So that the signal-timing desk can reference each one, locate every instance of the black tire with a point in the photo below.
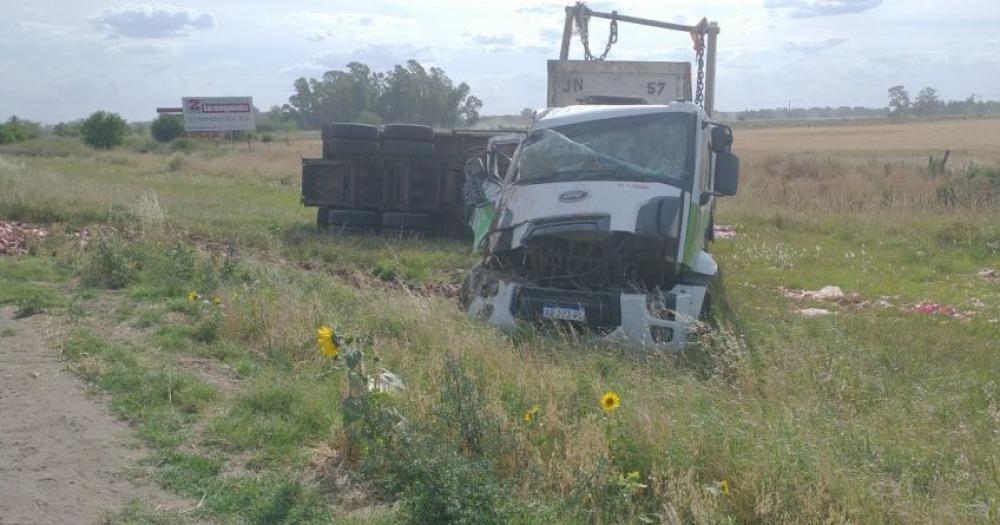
(355, 219)
(411, 132)
(342, 130)
(407, 221)
(323, 218)
(407, 147)
(336, 147)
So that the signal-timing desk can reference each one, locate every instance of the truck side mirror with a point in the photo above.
(722, 138)
(727, 173)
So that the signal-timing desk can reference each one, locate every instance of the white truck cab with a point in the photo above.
(605, 212)
(603, 221)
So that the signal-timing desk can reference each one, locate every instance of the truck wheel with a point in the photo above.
(408, 148)
(411, 132)
(343, 130)
(323, 218)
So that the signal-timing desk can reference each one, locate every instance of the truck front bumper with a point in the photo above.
(661, 323)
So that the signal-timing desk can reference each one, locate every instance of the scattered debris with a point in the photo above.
(826, 293)
(12, 239)
(989, 274)
(883, 301)
(833, 294)
(929, 308)
(386, 381)
(450, 290)
(724, 231)
(82, 236)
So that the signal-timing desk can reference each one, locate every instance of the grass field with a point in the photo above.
(878, 412)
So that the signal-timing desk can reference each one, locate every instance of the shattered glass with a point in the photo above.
(644, 147)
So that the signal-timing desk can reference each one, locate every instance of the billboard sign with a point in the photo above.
(578, 81)
(218, 114)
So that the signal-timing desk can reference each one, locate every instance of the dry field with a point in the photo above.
(971, 140)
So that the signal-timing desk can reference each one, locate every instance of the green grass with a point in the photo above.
(141, 513)
(274, 417)
(871, 414)
(31, 279)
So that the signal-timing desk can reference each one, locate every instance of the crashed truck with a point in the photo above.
(391, 178)
(603, 219)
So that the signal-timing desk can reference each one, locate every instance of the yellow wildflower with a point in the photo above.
(216, 300)
(532, 412)
(724, 487)
(192, 296)
(610, 401)
(324, 338)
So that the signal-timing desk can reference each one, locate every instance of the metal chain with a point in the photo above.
(583, 27)
(699, 51)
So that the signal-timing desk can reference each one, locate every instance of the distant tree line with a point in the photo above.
(17, 130)
(927, 103)
(410, 93)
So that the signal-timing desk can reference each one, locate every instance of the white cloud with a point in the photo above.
(814, 8)
(46, 30)
(151, 21)
(811, 47)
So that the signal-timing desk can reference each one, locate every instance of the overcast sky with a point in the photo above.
(62, 59)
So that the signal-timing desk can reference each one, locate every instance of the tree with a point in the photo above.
(167, 127)
(927, 102)
(899, 101)
(336, 97)
(17, 130)
(409, 93)
(67, 129)
(104, 130)
(469, 112)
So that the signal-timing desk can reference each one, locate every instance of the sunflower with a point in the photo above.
(531, 413)
(192, 296)
(610, 401)
(324, 338)
(724, 487)
(217, 300)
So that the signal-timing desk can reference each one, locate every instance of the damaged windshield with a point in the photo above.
(644, 147)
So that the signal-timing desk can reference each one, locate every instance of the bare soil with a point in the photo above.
(62, 455)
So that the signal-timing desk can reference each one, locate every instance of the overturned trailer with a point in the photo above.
(398, 177)
(604, 216)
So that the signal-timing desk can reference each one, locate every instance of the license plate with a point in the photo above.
(564, 313)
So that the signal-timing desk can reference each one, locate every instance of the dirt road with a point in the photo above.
(62, 455)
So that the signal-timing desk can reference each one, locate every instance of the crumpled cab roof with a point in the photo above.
(555, 117)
